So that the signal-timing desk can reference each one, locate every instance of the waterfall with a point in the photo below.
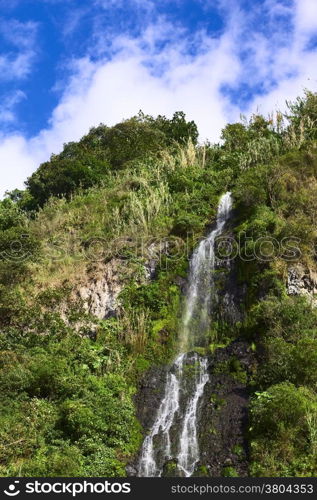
(164, 420)
(178, 411)
(188, 454)
(197, 310)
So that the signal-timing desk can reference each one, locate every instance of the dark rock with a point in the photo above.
(223, 412)
(150, 395)
(181, 283)
(222, 427)
(131, 471)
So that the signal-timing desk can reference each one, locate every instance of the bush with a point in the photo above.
(61, 177)
(283, 431)
(66, 415)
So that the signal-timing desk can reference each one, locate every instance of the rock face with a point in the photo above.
(150, 394)
(99, 293)
(222, 413)
(155, 252)
(229, 297)
(302, 281)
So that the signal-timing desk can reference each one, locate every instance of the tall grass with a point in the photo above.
(142, 208)
(184, 156)
(135, 327)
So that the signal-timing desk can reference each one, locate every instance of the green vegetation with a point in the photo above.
(229, 472)
(67, 379)
(217, 401)
(143, 191)
(233, 368)
(276, 203)
(104, 151)
(70, 413)
(202, 471)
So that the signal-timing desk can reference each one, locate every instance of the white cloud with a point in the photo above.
(139, 75)
(292, 65)
(7, 106)
(17, 161)
(16, 62)
(306, 16)
(119, 88)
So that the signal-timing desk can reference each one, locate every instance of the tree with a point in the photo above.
(62, 176)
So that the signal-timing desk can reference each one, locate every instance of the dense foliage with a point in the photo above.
(67, 379)
(104, 150)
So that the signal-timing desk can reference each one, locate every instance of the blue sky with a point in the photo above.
(67, 65)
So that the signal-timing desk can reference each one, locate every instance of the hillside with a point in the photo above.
(94, 266)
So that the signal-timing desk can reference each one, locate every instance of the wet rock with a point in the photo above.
(230, 295)
(150, 395)
(131, 471)
(181, 283)
(224, 413)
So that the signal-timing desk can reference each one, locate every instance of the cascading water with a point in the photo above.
(178, 411)
(188, 454)
(198, 304)
(148, 466)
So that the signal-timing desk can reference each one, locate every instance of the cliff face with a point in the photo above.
(230, 295)
(222, 411)
(224, 418)
(100, 289)
(302, 281)
(100, 292)
(79, 337)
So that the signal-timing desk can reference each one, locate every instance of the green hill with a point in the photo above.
(93, 259)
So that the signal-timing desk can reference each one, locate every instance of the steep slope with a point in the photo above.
(93, 274)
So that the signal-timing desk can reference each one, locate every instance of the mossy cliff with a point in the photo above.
(93, 265)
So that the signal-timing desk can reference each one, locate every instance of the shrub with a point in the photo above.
(283, 430)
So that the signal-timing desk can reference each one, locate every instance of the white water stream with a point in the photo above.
(178, 411)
